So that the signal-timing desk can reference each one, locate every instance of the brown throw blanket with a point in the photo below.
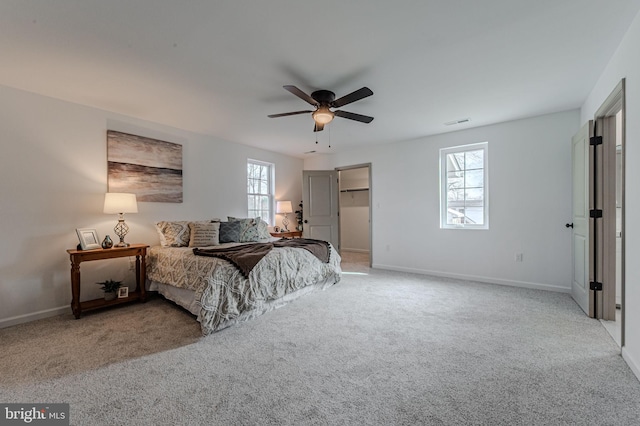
(246, 256)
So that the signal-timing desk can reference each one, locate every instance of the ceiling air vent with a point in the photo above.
(454, 122)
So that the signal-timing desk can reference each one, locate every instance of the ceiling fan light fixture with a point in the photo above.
(323, 115)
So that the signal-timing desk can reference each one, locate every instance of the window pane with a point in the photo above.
(474, 159)
(455, 161)
(474, 194)
(455, 182)
(475, 215)
(455, 195)
(455, 216)
(474, 179)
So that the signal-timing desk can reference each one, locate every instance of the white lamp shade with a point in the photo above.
(117, 202)
(284, 207)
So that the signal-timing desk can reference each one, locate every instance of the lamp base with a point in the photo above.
(285, 223)
(121, 229)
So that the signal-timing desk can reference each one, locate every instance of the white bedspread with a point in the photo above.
(224, 294)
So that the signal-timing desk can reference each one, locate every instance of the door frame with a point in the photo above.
(361, 166)
(605, 118)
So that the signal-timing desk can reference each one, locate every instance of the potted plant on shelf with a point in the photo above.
(299, 217)
(110, 288)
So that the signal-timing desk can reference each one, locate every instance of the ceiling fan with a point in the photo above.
(323, 100)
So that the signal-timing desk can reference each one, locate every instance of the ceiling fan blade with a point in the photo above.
(352, 97)
(354, 116)
(284, 114)
(318, 127)
(299, 93)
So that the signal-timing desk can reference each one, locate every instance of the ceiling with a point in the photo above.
(218, 67)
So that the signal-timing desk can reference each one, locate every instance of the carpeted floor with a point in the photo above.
(378, 348)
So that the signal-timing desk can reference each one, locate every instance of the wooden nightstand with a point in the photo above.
(79, 256)
(288, 234)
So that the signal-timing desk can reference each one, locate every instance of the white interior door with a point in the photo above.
(320, 206)
(580, 236)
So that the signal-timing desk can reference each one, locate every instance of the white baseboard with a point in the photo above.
(488, 280)
(20, 319)
(633, 365)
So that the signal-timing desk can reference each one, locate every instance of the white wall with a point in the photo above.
(625, 63)
(53, 174)
(530, 201)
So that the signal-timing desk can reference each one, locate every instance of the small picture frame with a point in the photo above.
(123, 292)
(88, 238)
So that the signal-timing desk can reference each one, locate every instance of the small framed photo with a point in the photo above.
(123, 292)
(88, 238)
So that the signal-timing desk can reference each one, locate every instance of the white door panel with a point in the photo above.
(580, 237)
(320, 205)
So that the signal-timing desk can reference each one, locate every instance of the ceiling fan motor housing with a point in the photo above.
(324, 97)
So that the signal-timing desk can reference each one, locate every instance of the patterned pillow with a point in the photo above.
(173, 234)
(230, 232)
(252, 229)
(263, 230)
(204, 234)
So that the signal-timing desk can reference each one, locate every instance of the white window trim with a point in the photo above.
(443, 182)
(272, 187)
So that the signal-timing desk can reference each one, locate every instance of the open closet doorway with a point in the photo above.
(354, 183)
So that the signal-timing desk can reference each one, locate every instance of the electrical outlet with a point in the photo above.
(519, 257)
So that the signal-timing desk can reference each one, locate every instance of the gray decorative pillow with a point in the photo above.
(252, 229)
(173, 234)
(204, 234)
(230, 232)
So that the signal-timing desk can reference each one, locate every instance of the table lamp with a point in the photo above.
(284, 207)
(120, 203)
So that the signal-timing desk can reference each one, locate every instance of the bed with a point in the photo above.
(219, 294)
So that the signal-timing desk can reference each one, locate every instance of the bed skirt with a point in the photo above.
(187, 299)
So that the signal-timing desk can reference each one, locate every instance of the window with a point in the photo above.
(260, 190)
(464, 198)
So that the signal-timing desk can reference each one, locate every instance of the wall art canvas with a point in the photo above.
(149, 168)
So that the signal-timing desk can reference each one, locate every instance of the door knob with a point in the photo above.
(306, 221)
(568, 225)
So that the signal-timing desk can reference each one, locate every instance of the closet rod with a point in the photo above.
(354, 190)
